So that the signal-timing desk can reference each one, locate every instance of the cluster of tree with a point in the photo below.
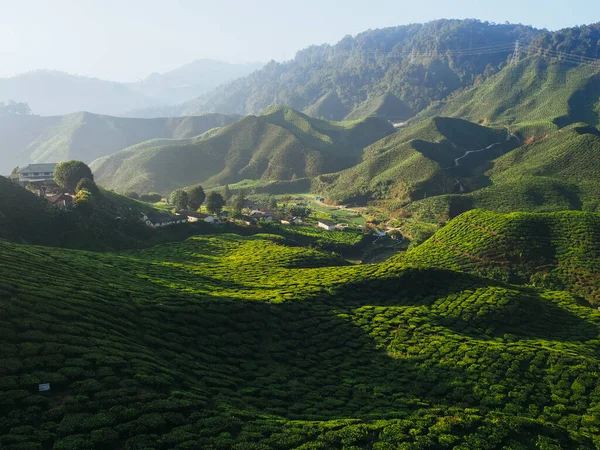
(575, 44)
(76, 177)
(13, 108)
(152, 197)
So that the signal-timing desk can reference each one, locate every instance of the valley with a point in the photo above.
(392, 242)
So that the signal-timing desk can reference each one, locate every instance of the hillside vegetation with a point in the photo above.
(418, 161)
(280, 144)
(554, 173)
(534, 97)
(555, 251)
(417, 63)
(85, 136)
(247, 342)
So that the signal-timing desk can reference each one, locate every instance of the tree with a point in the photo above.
(88, 185)
(239, 202)
(84, 202)
(300, 211)
(272, 202)
(214, 202)
(227, 193)
(152, 197)
(180, 199)
(13, 108)
(67, 174)
(196, 197)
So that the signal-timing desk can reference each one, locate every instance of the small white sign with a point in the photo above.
(44, 387)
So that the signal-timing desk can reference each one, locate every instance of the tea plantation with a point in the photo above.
(224, 341)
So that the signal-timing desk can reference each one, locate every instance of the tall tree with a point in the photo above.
(196, 197)
(239, 202)
(180, 199)
(214, 202)
(227, 193)
(67, 174)
(88, 185)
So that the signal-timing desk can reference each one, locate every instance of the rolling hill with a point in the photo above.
(250, 342)
(429, 158)
(279, 144)
(534, 97)
(554, 173)
(86, 136)
(555, 251)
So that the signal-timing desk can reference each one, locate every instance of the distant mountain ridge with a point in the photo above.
(85, 136)
(51, 93)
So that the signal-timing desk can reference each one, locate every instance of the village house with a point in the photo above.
(35, 174)
(193, 216)
(61, 200)
(326, 224)
(162, 220)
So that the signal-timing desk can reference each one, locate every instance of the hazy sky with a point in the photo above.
(125, 40)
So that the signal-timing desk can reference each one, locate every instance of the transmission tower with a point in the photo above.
(412, 56)
(516, 54)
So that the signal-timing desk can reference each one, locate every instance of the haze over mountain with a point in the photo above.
(85, 136)
(50, 93)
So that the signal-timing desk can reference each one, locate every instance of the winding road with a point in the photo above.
(489, 147)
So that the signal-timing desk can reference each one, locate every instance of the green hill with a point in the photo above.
(279, 144)
(114, 223)
(556, 251)
(533, 98)
(328, 107)
(418, 161)
(387, 105)
(248, 342)
(85, 136)
(555, 173)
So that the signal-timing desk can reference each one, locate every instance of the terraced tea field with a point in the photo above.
(237, 342)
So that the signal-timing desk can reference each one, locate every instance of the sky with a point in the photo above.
(126, 40)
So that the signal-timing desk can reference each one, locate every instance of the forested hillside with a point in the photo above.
(250, 342)
(410, 65)
(279, 144)
(85, 136)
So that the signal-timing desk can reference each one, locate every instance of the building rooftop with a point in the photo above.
(43, 167)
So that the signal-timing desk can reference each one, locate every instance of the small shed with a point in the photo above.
(326, 224)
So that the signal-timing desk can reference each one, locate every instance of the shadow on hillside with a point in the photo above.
(329, 356)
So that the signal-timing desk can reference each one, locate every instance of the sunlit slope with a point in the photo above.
(533, 97)
(280, 144)
(417, 161)
(556, 250)
(85, 136)
(231, 342)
